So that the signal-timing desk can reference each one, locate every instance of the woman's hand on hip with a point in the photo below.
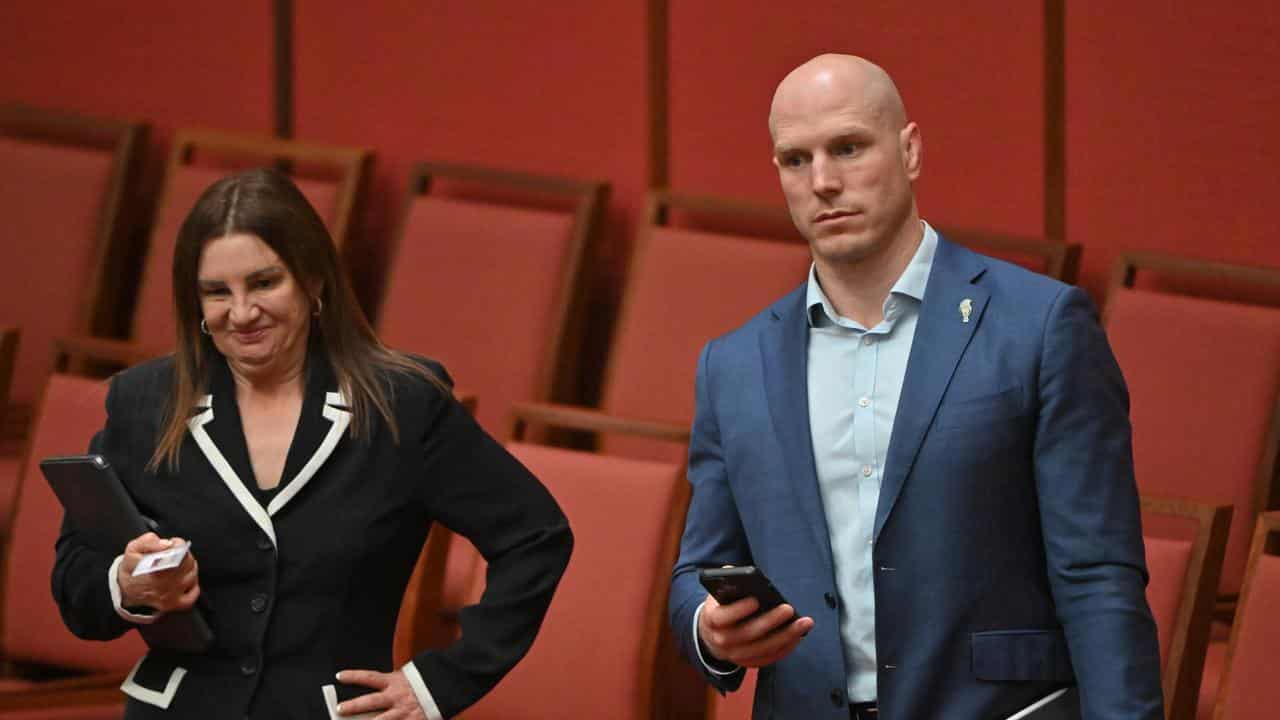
(164, 590)
(394, 699)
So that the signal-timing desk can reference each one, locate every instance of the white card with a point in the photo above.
(162, 560)
(331, 702)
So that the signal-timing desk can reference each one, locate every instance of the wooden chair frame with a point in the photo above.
(1266, 540)
(113, 247)
(1124, 275)
(353, 164)
(558, 373)
(9, 337)
(1061, 260)
(1189, 639)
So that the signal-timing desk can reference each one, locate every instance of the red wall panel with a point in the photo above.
(971, 75)
(1172, 112)
(174, 64)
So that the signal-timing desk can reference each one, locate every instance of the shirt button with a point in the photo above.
(248, 666)
(867, 340)
(864, 402)
(866, 471)
(258, 603)
(837, 697)
(264, 543)
(831, 600)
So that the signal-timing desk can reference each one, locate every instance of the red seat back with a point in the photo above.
(71, 411)
(1204, 384)
(596, 655)
(1249, 689)
(685, 287)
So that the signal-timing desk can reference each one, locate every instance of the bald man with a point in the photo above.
(925, 449)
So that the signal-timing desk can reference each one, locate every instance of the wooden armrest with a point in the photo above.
(96, 689)
(585, 419)
(81, 349)
(465, 399)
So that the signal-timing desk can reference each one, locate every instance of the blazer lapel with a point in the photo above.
(784, 347)
(219, 434)
(942, 334)
(213, 437)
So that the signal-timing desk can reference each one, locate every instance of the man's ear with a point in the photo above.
(912, 146)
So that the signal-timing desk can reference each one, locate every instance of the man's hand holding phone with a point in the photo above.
(734, 632)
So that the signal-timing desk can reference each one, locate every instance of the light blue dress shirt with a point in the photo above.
(855, 378)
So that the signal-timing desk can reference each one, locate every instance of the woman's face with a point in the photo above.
(256, 311)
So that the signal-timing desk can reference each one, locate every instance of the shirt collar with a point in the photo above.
(911, 283)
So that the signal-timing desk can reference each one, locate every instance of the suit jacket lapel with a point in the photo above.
(784, 346)
(940, 340)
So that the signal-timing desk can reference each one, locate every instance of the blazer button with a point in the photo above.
(831, 600)
(264, 543)
(258, 603)
(249, 666)
(837, 697)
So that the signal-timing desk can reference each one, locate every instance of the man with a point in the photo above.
(926, 450)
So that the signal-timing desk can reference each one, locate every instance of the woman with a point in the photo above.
(304, 463)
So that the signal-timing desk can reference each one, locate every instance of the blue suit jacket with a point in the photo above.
(1007, 556)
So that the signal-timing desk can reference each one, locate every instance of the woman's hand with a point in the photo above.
(395, 699)
(165, 590)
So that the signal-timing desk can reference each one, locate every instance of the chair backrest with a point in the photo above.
(1060, 261)
(736, 705)
(687, 284)
(8, 357)
(332, 178)
(1204, 386)
(487, 278)
(71, 411)
(597, 653)
(67, 185)
(1185, 544)
(1249, 689)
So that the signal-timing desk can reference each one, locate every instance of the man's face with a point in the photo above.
(845, 169)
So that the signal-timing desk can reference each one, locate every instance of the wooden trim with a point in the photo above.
(94, 689)
(1061, 260)
(282, 53)
(583, 419)
(1268, 524)
(558, 375)
(1189, 639)
(658, 650)
(101, 300)
(657, 31)
(661, 200)
(9, 337)
(1124, 275)
(1055, 120)
(74, 354)
(352, 165)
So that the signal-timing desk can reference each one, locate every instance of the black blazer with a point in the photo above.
(311, 583)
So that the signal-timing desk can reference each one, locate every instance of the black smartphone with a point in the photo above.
(730, 584)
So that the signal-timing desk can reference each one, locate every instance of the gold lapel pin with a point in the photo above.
(966, 309)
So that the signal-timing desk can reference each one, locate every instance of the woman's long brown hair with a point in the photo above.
(265, 203)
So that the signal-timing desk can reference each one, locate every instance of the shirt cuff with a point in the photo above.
(420, 691)
(697, 647)
(113, 585)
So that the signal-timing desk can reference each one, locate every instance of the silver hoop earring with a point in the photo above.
(204, 326)
(319, 308)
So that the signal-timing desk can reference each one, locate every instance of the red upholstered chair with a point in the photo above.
(67, 183)
(1204, 385)
(332, 178)
(487, 278)
(700, 267)
(33, 635)
(736, 705)
(598, 653)
(1185, 544)
(1249, 690)
(1060, 261)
